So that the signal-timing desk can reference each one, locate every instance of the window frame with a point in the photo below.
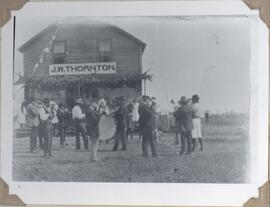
(101, 54)
(59, 55)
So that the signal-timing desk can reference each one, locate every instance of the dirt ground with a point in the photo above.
(223, 160)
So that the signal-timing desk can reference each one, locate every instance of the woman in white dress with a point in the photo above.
(135, 112)
(135, 115)
(197, 128)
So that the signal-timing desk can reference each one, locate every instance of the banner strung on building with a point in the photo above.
(82, 68)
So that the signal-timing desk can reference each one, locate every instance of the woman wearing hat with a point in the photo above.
(196, 131)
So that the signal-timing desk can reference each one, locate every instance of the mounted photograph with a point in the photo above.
(139, 103)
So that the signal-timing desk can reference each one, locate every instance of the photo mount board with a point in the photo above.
(8, 6)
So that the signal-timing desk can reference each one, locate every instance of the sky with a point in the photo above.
(208, 56)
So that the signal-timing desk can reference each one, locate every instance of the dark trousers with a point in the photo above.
(81, 131)
(33, 138)
(120, 135)
(46, 135)
(129, 131)
(186, 142)
(148, 139)
(176, 141)
(40, 137)
(55, 126)
(62, 132)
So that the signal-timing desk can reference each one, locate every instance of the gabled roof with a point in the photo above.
(68, 23)
(48, 29)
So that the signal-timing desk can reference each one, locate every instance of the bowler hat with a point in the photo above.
(78, 101)
(195, 97)
(31, 99)
(182, 100)
(46, 100)
(121, 99)
(145, 98)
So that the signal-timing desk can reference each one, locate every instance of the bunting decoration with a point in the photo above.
(21, 80)
(49, 47)
(112, 81)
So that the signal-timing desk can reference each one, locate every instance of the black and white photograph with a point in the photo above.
(132, 99)
(139, 103)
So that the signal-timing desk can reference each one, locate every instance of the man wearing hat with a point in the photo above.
(196, 131)
(32, 113)
(121, 121)
(184, 116)
(78, 116)
(154, 108)
(40, 136)
(62, 117)
(92, 118)
(45, 116)
(177, 126)
(146, 127)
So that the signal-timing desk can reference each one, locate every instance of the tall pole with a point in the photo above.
(79, 89)
(144, 81)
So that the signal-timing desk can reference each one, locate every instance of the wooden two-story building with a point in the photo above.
(81, 58)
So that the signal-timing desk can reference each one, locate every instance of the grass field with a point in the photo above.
(223, 160)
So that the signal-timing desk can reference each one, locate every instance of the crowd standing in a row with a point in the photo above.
(47, 117)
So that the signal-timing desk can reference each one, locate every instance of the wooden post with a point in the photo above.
(79, 89)
(144, 88)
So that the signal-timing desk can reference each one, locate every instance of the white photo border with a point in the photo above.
(147, 193)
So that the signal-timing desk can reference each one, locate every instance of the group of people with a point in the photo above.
(188, 124)
(43, 118)
(46, 117)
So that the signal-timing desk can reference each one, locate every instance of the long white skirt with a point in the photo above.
(197, 128)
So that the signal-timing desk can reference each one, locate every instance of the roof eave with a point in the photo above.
(28, 43)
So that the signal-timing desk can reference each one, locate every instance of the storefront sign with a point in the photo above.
(82, 68)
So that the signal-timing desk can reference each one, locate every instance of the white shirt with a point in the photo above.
(43, 115)
(77, 112)
(54, 118)
(103, 107)
(135, 112)
(197, 110)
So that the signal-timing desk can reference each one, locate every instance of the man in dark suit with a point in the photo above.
(121, 120)
(146, 127)
(185, 114)
(45, 116)
(62, 117)
(92, 127)
(32, 113)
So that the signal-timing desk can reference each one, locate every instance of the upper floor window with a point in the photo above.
(105, 50)
(90, 44)
(59, 52)
(59, 47)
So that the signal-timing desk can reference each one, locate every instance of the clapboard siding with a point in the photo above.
(82, 47)
(125, 51)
